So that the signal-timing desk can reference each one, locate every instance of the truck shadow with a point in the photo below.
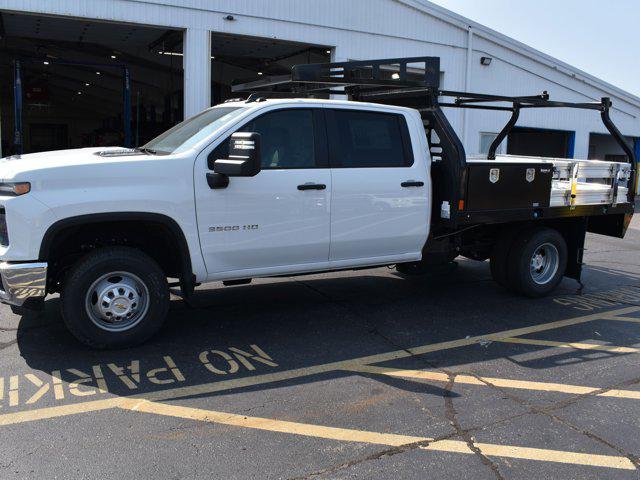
(303, 322)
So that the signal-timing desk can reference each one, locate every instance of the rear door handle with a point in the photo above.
(412, 183)
(312, 186)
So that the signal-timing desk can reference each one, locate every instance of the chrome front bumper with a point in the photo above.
(22, 281)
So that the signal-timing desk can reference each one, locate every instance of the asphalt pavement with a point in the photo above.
(344, 375)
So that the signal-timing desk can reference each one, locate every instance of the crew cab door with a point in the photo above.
(277, 221)
(380, 201)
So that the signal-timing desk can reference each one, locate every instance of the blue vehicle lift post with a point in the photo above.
(127, 107)
(17, 108)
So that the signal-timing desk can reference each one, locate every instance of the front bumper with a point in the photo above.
(22, 281)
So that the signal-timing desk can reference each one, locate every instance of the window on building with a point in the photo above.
(369, 139)
(486, 139)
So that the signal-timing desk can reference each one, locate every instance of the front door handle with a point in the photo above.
(312, 186)
(412, 183)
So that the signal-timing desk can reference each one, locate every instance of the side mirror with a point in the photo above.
(244, 156)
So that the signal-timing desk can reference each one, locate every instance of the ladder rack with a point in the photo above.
(415, 82)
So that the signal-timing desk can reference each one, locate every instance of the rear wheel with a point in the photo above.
(115, 297)
(537, 262)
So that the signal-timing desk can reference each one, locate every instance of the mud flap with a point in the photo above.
(575, 235)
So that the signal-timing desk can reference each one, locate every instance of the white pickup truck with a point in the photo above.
(268, 187)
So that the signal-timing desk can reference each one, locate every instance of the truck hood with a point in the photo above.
(19, 166)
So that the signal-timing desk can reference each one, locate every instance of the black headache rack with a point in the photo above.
(415, 82)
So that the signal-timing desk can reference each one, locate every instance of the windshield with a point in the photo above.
(186, 134)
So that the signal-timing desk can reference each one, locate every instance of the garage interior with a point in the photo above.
(237, 59)
(604, 147)
(73, 92)
(561, 144)
(541, 142)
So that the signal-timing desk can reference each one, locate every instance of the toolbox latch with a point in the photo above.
(531, 174)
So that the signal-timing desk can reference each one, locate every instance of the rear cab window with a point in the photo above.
(368, 139)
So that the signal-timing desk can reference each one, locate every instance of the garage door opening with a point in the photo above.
(89, 83)
(541, 143)
(238, 59)
(604, 147)
(84, 83)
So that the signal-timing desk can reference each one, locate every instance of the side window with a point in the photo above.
(287, 139)
(370, 139)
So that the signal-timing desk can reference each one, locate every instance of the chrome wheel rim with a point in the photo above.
(117, 301)
(544, 263)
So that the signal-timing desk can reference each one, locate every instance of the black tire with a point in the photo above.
(500, 257)
(543, 280)
(147, 280)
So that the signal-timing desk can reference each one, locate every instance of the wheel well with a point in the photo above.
(158, 236)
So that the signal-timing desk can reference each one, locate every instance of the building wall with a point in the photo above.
(511, 73)
(361, 29)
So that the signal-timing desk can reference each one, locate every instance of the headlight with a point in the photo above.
(15, 189)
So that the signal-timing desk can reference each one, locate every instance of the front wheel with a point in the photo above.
(537, 262)
(115, 297)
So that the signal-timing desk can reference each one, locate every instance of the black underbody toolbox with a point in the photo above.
(498, 186)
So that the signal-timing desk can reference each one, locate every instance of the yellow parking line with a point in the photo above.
(318, 431)
(498, 382)
(556, 456)
(390, 439)
(434, 347)
(574, 345)
(225, 385)
(60, 411)
(623, 319)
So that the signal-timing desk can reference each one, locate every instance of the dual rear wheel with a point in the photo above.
(531, 262)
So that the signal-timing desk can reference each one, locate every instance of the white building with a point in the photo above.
(183, 55)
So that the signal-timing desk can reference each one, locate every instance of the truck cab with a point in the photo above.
(336, 186)
(339, 185)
